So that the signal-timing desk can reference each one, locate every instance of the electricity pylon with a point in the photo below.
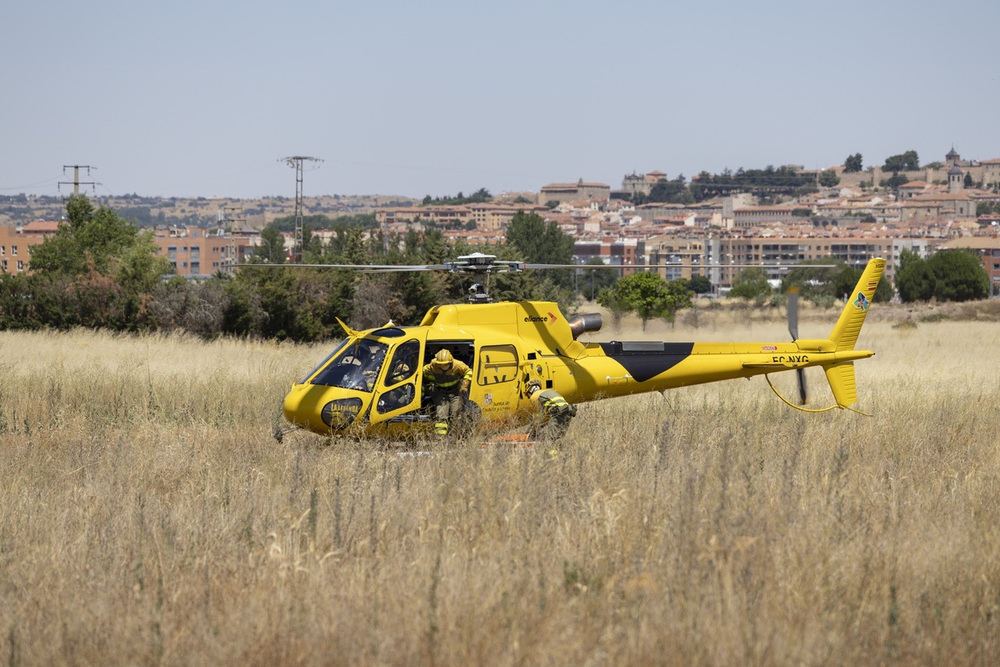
(76, 177)
(295, 162)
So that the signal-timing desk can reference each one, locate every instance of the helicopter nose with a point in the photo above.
(303, 404)
(322, 409)
(293, 405)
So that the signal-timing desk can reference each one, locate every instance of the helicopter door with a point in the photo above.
(496, 375)
(399, 391)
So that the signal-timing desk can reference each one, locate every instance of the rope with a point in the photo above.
(799, 407)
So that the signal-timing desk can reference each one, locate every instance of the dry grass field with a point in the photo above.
(148, 517)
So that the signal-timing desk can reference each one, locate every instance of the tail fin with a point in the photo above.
(840, 375)
(846, 330)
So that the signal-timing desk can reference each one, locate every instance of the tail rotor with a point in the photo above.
(793, 329)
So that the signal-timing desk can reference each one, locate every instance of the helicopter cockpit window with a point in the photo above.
(404, 362)
(497, 363)
(357, 368)
(388, 332)
(328, 358)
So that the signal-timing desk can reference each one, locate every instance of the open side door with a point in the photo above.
(398, 391)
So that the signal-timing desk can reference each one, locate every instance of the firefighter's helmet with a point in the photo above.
(443, 359)
(534, 385)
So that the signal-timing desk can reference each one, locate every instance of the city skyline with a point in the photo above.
(204, 99)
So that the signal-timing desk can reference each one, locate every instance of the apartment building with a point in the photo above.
(16, 244)
(624, 252)
(194, 253)
(854, 251)
(486, 216)
(690, 254)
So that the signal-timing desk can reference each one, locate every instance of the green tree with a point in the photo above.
(853, 163)
(592, 281)
(700, 285)
(97, 270)
(821, 284)
(676, 296)
(673, 191)
(647, 295)
(99, 241)
(829, 179)
(896, 180)
(914, 279)
(949, 275)
(907, 161)
(538, 243)
(847, 279)
(959, 276)
(272, 246)
(751, 284)
(906, 257)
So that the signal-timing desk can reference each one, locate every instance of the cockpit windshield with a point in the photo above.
(357, 368)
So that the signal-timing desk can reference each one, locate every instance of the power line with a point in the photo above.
(47, 181)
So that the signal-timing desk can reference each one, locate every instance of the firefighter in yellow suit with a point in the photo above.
(558, 413)
(449, 379)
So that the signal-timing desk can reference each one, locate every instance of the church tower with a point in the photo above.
(956, 180)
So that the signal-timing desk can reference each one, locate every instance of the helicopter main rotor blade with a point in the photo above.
(368, 268)
(641, 267)
(505, 266)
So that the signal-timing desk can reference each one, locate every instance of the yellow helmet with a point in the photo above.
(442, 359)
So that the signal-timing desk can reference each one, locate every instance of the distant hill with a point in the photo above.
(196, 211)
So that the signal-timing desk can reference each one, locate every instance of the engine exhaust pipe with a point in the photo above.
(581, 324)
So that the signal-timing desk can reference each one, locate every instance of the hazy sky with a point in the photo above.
(202, 98)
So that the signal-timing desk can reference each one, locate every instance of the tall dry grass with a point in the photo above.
(148, 517)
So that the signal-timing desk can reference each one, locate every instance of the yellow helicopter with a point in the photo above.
(371, 384)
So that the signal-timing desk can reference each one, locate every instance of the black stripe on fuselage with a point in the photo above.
(646, 359)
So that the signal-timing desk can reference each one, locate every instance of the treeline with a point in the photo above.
(948, 275)
(101, 271)
(765, 183)
(480, 196)
(769, 182)
(360, 220)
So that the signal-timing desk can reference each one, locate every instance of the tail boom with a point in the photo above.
(625, 368)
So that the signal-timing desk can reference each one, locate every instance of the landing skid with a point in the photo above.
(279, 433)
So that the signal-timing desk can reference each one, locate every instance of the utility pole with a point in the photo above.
(76, 177)
(295, 162)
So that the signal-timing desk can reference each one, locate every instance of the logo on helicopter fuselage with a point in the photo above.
(536, 318)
